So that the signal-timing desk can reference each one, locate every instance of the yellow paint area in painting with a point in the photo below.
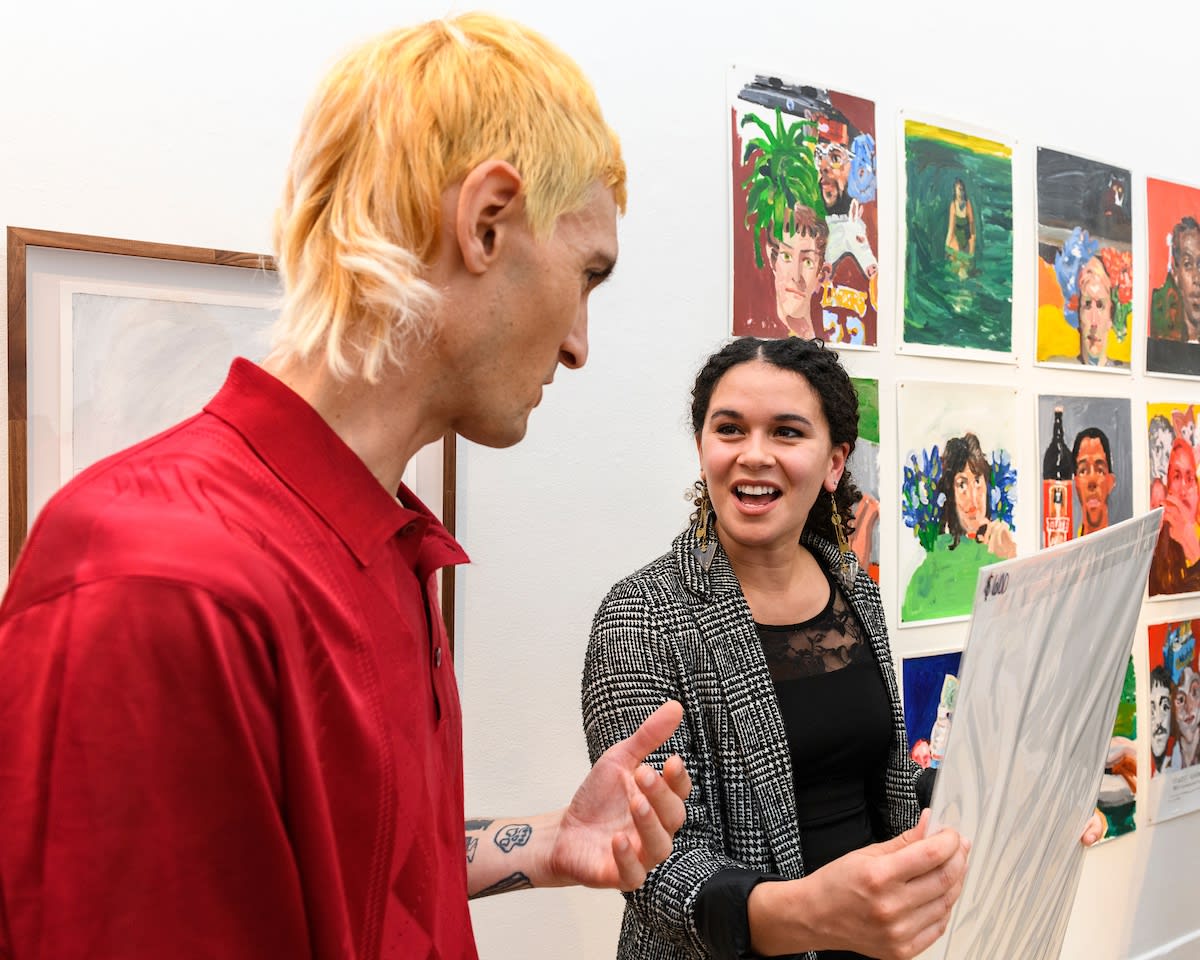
(956, 138)
(1165, 410)
(1058, 340)
(845, 297)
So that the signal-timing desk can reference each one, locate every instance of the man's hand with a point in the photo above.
(622, 820)
(619, 825)
(889, 900)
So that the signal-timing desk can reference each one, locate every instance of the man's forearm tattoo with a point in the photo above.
(514, 881)
(514, 835)
(506, 838)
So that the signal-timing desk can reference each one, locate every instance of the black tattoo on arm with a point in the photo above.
(514, 835)
(514, 881)
(480, 823)
(472, 843)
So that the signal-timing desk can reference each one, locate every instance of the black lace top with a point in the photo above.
(838, 721)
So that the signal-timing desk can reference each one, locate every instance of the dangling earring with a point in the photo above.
(703, 516)
(847, 570)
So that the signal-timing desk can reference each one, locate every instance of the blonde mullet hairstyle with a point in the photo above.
(392, 126)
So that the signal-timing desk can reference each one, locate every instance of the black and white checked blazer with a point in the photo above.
(675, 630)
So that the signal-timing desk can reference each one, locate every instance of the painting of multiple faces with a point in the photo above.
(805, 195)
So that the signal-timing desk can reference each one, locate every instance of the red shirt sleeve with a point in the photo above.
(140, 779)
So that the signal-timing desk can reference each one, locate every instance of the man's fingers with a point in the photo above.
(657, 812)
(653, 733)
(676, 775)
(630, 871)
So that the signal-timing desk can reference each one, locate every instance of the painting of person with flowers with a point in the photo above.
(1084, 263)
(957, 496)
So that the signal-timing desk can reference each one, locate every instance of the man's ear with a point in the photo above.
(825, 274)
(490, 202)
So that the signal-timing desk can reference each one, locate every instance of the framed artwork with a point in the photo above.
(923, 679)
(1171, 433)
(1173, 255)
(111, 341)
(1086, 452)
(806, 229)
(1117, 800)
(958, 492)
(957, 242)
(1174, 686)
(1084, 263)
(864, 468)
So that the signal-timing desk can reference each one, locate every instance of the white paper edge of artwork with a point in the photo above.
(901, 188)
(1138, 259)
(68, 287)
(734, 79)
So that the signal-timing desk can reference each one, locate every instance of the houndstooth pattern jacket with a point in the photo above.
(676, 630)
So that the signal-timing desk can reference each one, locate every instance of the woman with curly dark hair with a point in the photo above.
(969, 536)
(761, 623)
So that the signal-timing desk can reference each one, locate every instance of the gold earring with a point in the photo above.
(705, 508)
(704, 516)
(847, 570)
(840, 532)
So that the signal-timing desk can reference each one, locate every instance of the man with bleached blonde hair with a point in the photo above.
(229, 716)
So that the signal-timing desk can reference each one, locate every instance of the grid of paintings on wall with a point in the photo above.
(805, 197)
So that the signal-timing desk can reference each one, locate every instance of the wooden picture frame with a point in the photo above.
(44, 266)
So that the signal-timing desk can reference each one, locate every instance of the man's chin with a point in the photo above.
(497, 436)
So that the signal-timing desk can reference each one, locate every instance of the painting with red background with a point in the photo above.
(844, 305)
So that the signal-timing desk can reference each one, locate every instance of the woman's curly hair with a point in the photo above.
(824, 372)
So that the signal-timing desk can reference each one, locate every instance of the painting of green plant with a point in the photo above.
(958, 249)
(785, 174)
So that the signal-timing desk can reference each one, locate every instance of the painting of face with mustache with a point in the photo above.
(1160, 715)
(1186, 751)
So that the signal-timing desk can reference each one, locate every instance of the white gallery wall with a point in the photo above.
(173, 123)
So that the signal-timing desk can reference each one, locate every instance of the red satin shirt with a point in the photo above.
(229, 725)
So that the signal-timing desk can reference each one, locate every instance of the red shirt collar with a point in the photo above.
(299, 447)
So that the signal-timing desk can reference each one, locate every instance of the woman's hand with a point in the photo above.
(1094, 830)
(889, 900)
(999, 540)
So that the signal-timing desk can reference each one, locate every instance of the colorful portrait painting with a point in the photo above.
(1173, 262)
(1174, 718)
(958, 263)
(1171, 437)
(923, 679)
(805, 221)
(1118, 786)
(1087, 465)
(1084, 262)
(864, 467)
(958, 491)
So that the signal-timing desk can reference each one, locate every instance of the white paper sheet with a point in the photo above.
(1049, 640)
